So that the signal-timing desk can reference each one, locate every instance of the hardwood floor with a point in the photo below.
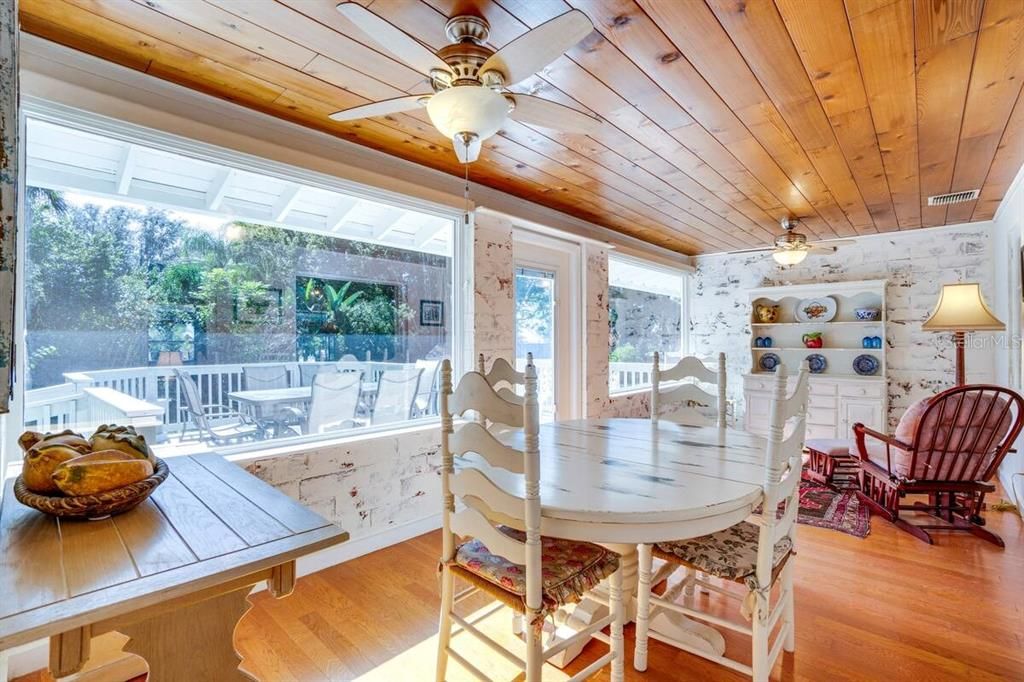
(887, 607)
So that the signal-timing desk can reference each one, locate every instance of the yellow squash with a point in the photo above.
(91, 476)
(39, 464)
(123, 438)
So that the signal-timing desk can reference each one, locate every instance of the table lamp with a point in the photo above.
(961, 309)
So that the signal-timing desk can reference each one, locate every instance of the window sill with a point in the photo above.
(317, 444)
(629, 392)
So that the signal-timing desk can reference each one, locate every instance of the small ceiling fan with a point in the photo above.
(470, 103)
(791, 247)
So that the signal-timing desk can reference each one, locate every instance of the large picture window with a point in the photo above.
(646, 314)
(214, 307)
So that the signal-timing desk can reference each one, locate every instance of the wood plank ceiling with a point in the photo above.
(725, 115)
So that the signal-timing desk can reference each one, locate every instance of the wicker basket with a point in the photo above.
(97, 506)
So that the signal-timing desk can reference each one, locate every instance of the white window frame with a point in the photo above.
(128, 132)
(684, 274)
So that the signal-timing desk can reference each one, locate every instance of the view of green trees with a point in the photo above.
(113, 287)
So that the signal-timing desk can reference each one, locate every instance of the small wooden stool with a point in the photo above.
(831, 463)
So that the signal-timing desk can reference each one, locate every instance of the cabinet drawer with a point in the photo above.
(820, 431)
(757, 384)
(822, 388)
(825, 416)
(758, 404)
(862, 390)
(823, 401)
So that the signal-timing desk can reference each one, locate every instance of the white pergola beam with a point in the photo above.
(285, 202)
(218, 188)
(389, 220)
(430, 232)
(126, 169)
(336, 218)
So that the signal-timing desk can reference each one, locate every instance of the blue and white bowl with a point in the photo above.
(868, 314)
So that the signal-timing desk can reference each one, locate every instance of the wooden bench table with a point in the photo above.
(173, 574)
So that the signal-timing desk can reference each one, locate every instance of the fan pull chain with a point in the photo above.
(465, 195)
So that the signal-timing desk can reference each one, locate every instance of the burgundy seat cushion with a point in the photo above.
(833, 447)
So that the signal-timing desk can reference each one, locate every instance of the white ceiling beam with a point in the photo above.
(285, 202)
(336, 218)
(218, 188)
(126, 169)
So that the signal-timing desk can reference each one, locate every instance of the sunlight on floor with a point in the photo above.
(422, 657)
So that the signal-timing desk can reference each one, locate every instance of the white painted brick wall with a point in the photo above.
(916, 264)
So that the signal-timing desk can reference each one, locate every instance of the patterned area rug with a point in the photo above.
(827, 508)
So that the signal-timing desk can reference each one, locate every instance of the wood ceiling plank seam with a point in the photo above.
(996, 79)
(252, 9)
(329, 40)
(877, 40)
(617, 22)
(697, 36)
(67, 19)
(762, 41)
(821, 34)
(932, 53)
(509, 132)
(572, 101)
(1006, 165)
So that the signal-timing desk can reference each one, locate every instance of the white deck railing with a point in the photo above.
(151, 398)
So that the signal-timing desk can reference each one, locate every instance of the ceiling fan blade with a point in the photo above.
(829, 246)
(392, 39)
(382, 108)
(766, 249)
(543, 112)
(535, 49)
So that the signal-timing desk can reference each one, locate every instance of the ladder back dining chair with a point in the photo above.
(689, 403)
(757, 553)
(502, 552)
(502, 372)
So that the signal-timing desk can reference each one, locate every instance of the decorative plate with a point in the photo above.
(769, 361)
(821, 309)
(865, 365)
(817, 363)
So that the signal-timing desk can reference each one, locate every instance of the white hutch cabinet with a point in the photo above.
(839, 396)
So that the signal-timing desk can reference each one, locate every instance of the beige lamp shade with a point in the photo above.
(960, 309)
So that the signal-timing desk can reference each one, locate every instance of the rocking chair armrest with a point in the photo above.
(860, 432)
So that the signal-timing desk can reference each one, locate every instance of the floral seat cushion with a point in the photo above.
(568, 569)
(729, 553)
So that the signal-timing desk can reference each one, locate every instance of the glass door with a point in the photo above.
(535, 331)
(547, 320)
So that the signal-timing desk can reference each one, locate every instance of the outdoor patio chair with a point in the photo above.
(426, 401)
(396, 395)
(272, 377)
(216, 423)
(947, 447)
(335, 402)
(309, 370)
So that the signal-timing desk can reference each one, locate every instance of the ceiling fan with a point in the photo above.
(791, 247)
(469, 102)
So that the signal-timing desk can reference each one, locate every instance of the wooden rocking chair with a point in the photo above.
(948, 447)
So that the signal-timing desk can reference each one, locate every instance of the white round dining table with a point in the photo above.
(620, 482)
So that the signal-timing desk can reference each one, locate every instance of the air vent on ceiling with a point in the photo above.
(953, 198)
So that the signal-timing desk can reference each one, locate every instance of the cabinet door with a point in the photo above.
(867, 412)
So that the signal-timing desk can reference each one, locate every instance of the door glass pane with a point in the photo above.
(535, 331)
